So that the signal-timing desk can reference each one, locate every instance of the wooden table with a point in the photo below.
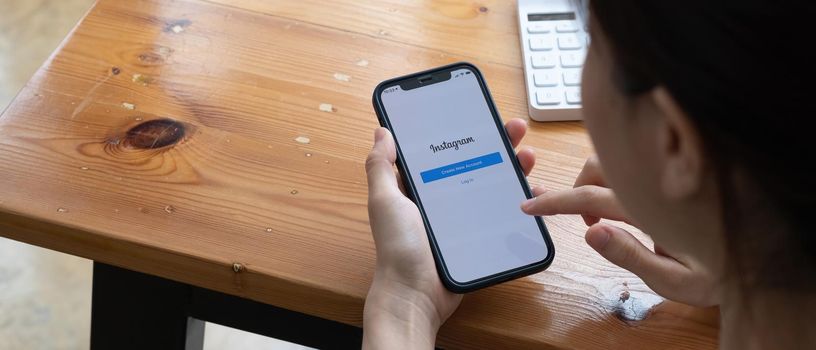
(218, 146)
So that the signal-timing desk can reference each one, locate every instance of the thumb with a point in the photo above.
(622, 249)
(380, 164)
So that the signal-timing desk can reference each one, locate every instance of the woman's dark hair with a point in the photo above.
(744, 74)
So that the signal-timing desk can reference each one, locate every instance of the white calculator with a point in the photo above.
(553, 43)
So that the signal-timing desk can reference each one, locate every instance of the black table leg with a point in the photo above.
(132, 310)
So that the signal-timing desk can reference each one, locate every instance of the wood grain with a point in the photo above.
(161, 137)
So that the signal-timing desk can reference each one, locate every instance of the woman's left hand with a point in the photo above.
(407, 302)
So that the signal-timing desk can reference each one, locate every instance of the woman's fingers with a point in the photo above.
(526, 158)
(400, 183)
(594, 201)
(537, 191)
(590, 175)
(686, 282)
(663, 274)
(380, 165)
(516, 128)
(589, 198)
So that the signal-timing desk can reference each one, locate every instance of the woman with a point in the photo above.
(692, 108)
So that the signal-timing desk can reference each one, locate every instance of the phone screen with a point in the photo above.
(464, 177)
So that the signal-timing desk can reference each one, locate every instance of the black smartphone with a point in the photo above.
(458, 166)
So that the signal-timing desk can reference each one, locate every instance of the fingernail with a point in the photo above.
(379, 134)
(526, 204)
(598, 239)
(539, 190)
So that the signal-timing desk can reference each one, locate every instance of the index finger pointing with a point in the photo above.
(585, 200)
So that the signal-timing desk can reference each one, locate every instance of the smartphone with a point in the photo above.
(458, 166)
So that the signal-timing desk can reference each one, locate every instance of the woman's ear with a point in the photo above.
(680, 146)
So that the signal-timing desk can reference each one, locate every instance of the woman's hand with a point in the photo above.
(407, 302)
(676, 277)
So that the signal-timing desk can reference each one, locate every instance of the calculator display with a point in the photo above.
(533, 17)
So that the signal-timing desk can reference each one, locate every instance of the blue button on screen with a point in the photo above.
(461, 167)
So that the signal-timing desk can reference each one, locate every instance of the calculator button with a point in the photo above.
(572, 60)
(545, 78)
(538, 28)
(573, 96)
(548, 97)
(541, 44)
(569, 42)
(572, 77)
(544, 61)
(566, 27)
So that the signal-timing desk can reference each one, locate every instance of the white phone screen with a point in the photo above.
(464, 177)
